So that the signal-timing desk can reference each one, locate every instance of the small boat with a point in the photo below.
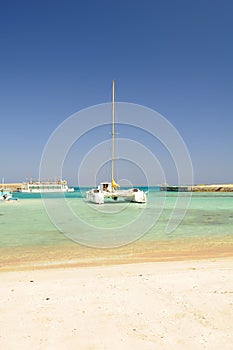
(112, 189)
(5, 195)
(46, 187)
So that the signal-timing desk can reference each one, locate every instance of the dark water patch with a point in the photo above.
(200, 217)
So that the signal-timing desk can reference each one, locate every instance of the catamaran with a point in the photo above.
(112, 189)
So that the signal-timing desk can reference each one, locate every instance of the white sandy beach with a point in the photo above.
(161, 305)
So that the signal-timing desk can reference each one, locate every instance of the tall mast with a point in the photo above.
(113, 120)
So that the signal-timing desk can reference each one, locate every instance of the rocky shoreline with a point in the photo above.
(213, 188)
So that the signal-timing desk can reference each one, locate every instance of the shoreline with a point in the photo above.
(75, 255)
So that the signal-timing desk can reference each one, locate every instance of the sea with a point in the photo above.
(64, 230)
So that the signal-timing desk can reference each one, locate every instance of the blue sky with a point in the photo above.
(58, 57)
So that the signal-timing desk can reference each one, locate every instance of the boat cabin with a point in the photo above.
(105, 187)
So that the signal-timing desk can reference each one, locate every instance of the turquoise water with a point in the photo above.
(25, 222)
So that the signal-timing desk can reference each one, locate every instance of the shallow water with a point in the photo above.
(25, 223)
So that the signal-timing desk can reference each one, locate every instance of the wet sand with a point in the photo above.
(75, 255)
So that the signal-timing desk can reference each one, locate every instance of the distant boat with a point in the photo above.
(46, 187)
(111, 189)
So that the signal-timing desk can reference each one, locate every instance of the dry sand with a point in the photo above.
(159, 305)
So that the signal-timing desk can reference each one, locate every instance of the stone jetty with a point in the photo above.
(213, 188)
(199, 188)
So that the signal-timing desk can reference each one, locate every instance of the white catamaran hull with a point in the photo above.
(135, 195)
(94, 196)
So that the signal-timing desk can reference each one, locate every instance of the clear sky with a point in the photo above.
(173, 56)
